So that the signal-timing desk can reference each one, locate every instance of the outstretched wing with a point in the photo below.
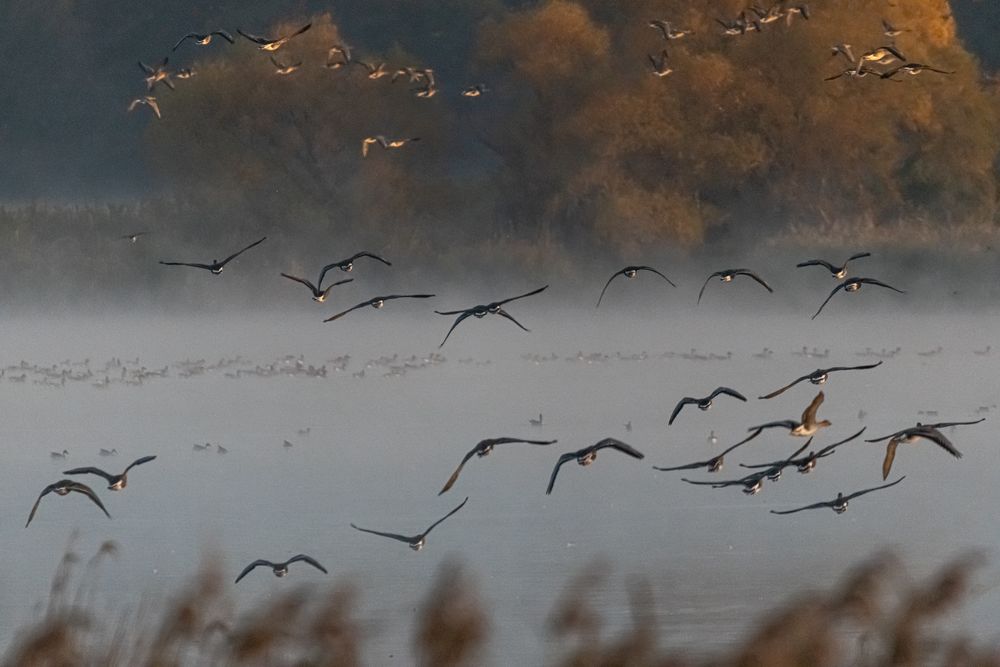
(800, 509)
(868, 254)
(652, 270)
(788, 386)
(702, 291)
(307, 559)
(139, 462)
(832, 292)
(441, 520)
(503, 313)
(89, 492)
(393, 536)
(939, 439)
(458, 320)
(818, 262)
(623, 447)
(677, 408)
(852, 368)
(224, 35)
(569, 456)
(751, 274)
(688, 466)
(256, 39)
(829, 448)
(90, 471)
(521, 296)
(352, 308)
(872, 281)
(613, 275)
(332, 285)
(890, 456)
(305, 282)
(874, 488)
(34, 508)
(190, 35)
(784, 423)
(454, 476)
(728, 392)
(809, 414)
(240, 252)
(209, 267)
(249, 568)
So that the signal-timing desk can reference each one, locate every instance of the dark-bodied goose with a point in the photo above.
(282, 69)
(265, 44)
(668, 31)
(377, 303)
(715, 463)
(853, 285)
(630, 272)
(588, 455)
(375, 70)
(280, 569)
(415, 542)
(727, 276)
(704, 403)
(155, 75)
(64, 487)
(484, 448)
(216, 266)
(806, 426)
(115, 482)
(754, 482)
(912, 69)
(910, 435)
(838, 272)
(476, 90)
(889, 30)
(204, 39)
(839, 504)
(148, 101)
(807, 463)
(347, 265)
(481, 311)
(318, 295)
(818, 377)
(386, 144)
(660, 67)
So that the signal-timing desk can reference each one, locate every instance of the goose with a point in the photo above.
(853, 285)
(282, 69)
(660, 67)
(108, 452)
(482, 311)
(536, 422)
(484, 448)
(704, 403)
(753, 482)
(59, 455)
(115, 482)
(843, 50)
(775, 13)
(216, 266)
(341, 50)
(715, 463)
(818, 377)
(727, 276)
(856, 72)
(377, 303)
(839, 504)
(204, 39)
(806, 426)
(132, 238)
(384, 143)
(155, 75)
(883, 55)
(186, 73)
(280, 569)
(475, 90)
(318, 295)
(64, 487)
(265, 44)
(838, 272)
(347, 265)
(588, 455)
(375, 71)
(910, 435)
(912, 69)
(148, 101)
(630, 272)
(415, 542)
(890, 30)
(801, 10)
(807, 463)
(669, 32)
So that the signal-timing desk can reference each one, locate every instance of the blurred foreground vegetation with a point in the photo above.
(875, 616)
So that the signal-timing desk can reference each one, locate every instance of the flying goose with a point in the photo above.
(588, 455)
(415, 542)
(630, 272)
(753, 482)
(920, 431)
(535, 422)
(64, 487)
(482, 311)
(132, 238)
(890, 30)
(727, 276)
(280, 569)
(377, 303)
(475, 90)
(155, 75)
(147, 100)
(801, 10)
(384, 143)
(282, 69)
(704, 403)
(216, 266)
(912, 69)
(108, 452)
(883, 55)
(843, 50)
(59, 455)
(807, 463)
(819, 376)
(853, 285)
(484, 448)
(839, 504)
(660, 67)
(347, 265)
(185, 73)
(341, 50)
(715, 463)
(669, 32)
(204, 39)
(838, 272)
(318, 295)
(856, 72)
(265, 44)
(115, 482)
(375, 70)
(806, 426)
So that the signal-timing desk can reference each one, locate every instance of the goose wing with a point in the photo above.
(89, 492)
(299, 31)
(569, 456)
(365, 253)
(454, 476)
(652, 270)
(872, 281)
(503, 313)
(190, 35)
(196, 265)
(90, 471)
(751, 274)
(249, 568)
(852, 368)
(801, 509)
(690, 466)
(623, 447)
(224, 35)
(616, 273)
(34, 508)
(890, 456)
(458, 320)
(302, 558)
(702, 291)
(351, 309)
(442, 519)
(939, 439)
(392, 536)
(139, 462)
(240, 252)
(809, 414)
(865, 254)
(827, 300)
(677, 408)
(312, 288)
(826, 451)
(947, 424)
(332, 285)
(728, 392)
(788, 386)
(874, 488)
(521, 296)
(256, 39)
(784, 423)
(818, 262)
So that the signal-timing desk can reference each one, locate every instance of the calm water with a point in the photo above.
(380, 448)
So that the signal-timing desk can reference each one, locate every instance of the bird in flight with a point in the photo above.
(588, 455)
(807, 463)
(204, 39)
(754, 482)
(476, 90)
(115, 482)
(482, 311)
(384, 143)
(910, 435)
(415, 542)
(715, 463)
(265, 44)
(280, 569)
(484, 448)
(818, 377)
(132, 238)
(889, 30)
(839, 504)
(158, 74)
(319, 295)
(281, 69)
(727, 276)
(838, 272)
(660, 67)
(347, 265)
(64, 487)
(704, 403)
(630, 272)
(216, 266)
(806, 426)
(853, 285)
(377, 303)
(912, 69)
(148, 101)
(668, 31)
